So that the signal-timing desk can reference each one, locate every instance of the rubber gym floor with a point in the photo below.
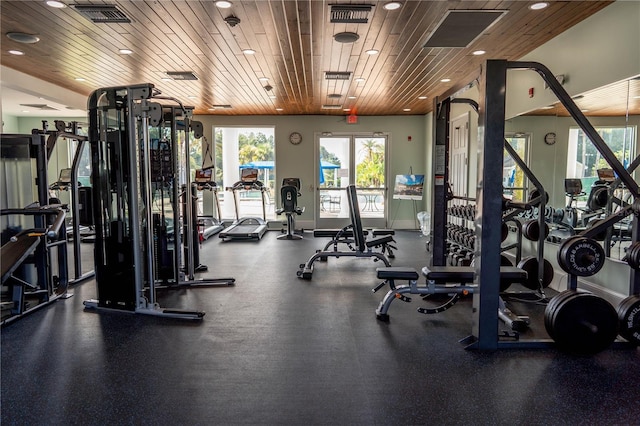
(276, 350)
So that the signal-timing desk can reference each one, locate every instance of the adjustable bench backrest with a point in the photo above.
(356, 221)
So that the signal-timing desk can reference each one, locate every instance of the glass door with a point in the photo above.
(345, 160)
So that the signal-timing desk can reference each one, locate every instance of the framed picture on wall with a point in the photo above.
(408, 187)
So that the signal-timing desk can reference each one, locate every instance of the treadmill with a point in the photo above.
(208, 225)
(247, 228)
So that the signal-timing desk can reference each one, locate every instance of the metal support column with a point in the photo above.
(440, 180)
(488, 222)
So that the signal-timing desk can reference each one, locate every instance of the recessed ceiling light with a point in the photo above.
(636, 97)
(407, 109)
(23, 37)
(56, 4)
(264, 79)
(25, 110)
(346, 109)
(248, 51)
(359, 80)
(392, 5)
(80, 79)
(351, 97)
(16, 52)
(372, 52)
(422, 97)
(445, 80)
(278, 109)
(223, 4)
(478, 52)
(167, 79)
(125, 51)
(192, 97)
(539, 5)
(272, 96)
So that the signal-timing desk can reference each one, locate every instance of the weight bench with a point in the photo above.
(450, 280)
(359, 246)
(345, 236)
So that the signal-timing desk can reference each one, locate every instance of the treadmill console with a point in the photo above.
(204, 179)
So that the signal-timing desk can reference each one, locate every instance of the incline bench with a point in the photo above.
(345, 236)
(361, 246)
(454, 280)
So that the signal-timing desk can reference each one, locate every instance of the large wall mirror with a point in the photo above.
(581, 185)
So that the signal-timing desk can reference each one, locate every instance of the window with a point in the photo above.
(584, 160)
(514, 181)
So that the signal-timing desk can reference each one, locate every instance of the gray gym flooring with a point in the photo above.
(276, 350)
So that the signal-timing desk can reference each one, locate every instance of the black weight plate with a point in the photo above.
(504, 261)
(581, 256)
(504, 231)
(550, 310)
(629, 316)
(530, 265)
(584, 324)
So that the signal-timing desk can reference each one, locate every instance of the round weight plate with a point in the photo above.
(581, 256)
(584, 324)
(633, 255)
(531, 230)
(535, 194)
(599, 198)
(530, 265)
(504, 261)
(550, 310)
(629, 316)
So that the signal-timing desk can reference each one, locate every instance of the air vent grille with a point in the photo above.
(327, 106)
(221, 106)
(334, 96)
(337, 75)
(182, 75)
(350, 13)
(42, 107)
(459, 28)
(102, 14)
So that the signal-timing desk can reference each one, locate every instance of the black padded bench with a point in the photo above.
(465, 274)
(332, 233)
(437, 278)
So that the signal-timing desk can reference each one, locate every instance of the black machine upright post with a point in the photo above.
(440, 178)
(489, 203)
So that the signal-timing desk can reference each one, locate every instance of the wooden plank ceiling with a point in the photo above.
(294, 46)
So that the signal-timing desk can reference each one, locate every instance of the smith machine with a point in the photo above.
(139, 178)
(577, 321)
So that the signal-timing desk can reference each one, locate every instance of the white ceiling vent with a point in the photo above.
(182, 75)
(328, 106)
(350, 13)
(42, 107)
(102, 14)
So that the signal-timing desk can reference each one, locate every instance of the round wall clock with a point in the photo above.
(295, 138)
(550, 138)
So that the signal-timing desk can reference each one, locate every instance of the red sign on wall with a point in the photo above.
(352, 119)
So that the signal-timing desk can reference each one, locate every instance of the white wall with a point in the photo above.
(598, 51)
(299, 160)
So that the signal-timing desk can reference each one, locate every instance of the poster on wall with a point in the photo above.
(408, 187)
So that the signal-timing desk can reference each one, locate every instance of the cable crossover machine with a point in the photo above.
(139, 176)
